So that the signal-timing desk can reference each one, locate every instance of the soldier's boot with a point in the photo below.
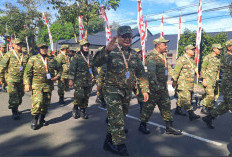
(42, 121)
(103, 103)
(108, 144)
(192, 115)
(126, 130)
(122, 150)
(209, 121)
(34, 122)
(83, 113)
(205, 110)
(61, 100)
(178, 111)
(75, 112)
(15, 115)
(171, 130)
(143, 128)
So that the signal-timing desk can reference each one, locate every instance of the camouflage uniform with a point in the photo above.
(35, 75)
(117, 88)
(1, 57)
(79, 72)
(64, 63)
(100, 83)
(13, 70)
(210, 70)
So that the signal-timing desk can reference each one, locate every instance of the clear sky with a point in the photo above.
(215, 16)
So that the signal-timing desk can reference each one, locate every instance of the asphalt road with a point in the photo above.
(66, 136)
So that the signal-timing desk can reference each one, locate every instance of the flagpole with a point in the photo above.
(178, 36)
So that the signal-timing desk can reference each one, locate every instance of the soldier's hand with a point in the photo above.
(145, 97)
(70, 83)
(27, 88)
(112, 45)
(174, 84)
(0, 82)
(204, 82)
(98, 88)
(55, 78)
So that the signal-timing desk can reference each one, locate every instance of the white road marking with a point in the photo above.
(184, 133)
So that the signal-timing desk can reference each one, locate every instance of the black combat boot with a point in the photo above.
(143, 128)
(15, 115)
(34, 122)
(108, 144)
(171, 130)
(205, 110)
(42, 122)
(61, 100)
(192, 115)
(83, 113)
(122, 150)
(103, 103)
(75, 112)
(208, 120)
(178, 111)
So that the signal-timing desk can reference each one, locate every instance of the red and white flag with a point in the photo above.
(162, 26)
(179, 33)
(49, 32)
(142, 28)
(107, 28)
(81, 28)
(199, 28)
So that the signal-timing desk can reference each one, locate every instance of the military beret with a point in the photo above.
(228, 43)
(42, 45)
(218, 46)
(160, 40)
(3, 45)
(16, 41)
(64, 47)
(189, 47)
(124, 30)
(83, 42)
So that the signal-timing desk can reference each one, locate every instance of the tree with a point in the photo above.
(114, 26)
(96, 25)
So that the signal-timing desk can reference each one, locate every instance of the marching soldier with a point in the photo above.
(2, 53)
(39, 75)
(13, 63)
(210, 70)
(158, 68)
(81, 76)
(63, 61)
(184, 76)
(122, 63)
(226, 87)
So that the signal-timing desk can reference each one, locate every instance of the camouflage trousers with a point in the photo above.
(62, 86)
(16, 93)
(138, 92)
(160, 98)
(225, 106)
(81, 96)
(184, 99)
(40, 101)
(117, 107)
(209, 98)
(100, 94)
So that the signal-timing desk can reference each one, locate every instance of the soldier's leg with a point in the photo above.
(78, 101)
(148, 108)
(44, 108)
(179, 106)
(209, 99)
(61, 87)
(87, 92)
(66, 86)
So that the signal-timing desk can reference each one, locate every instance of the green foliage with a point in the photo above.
(96, 25)
(114, 26)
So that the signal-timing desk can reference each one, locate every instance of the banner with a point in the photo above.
(107, 28)
(162, 26)
(179, 33)
(49, 33)
(81, 28)
(198, 39)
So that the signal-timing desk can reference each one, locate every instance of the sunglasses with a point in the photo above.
(124, 36)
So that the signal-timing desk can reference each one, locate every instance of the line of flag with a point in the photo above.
(81, 28)
(162, 26)
(107, 28)
(179, 34)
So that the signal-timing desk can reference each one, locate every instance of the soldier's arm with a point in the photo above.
(177, 69)
(4, 65)
(57, 68)
(170, 70)
(151, 69)
(59, 59)
(101, 57)
(73, 67)
(28, 72)
(204, 67)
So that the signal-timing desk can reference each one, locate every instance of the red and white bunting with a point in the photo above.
(49, 32)
(107, 28)
(198, 39)
(142, 28)
(81, 28)
(162, 26)
(179, 33)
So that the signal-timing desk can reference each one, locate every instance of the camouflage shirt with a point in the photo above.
(210, 69)
(226, 67)
(63, 63)
(79, 70)
(101, 75)
(184, 73)
(116, 68)
(11, 66)
(1, 55)
(35, 73)
(158, 69)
